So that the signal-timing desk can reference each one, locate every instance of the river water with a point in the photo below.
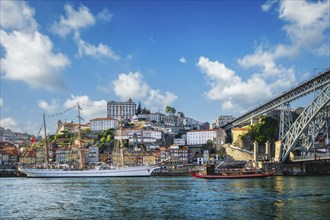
(165, 198)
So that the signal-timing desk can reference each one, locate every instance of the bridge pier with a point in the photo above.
(267, 150)
(277, 157)
(255, 151)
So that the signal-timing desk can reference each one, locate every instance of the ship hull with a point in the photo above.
(257, 175)
(142, 171)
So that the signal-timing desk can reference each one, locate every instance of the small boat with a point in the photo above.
(219, 172)
(232, 176)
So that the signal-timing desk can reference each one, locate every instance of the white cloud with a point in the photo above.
(29, 58)
(8, 123)
(306, 33)
(323, 50)
(49, 107)
(315, 13)
(90, 109)
(99, 51)
(17, 15)
(130, 85)
(268, 5)
(1, 102)
(104, 15)
(156, 100)
(74, 20)
(28, 55)
(182, 60)
(234, 93)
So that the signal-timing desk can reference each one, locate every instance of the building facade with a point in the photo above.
(138, 135)
(179, 141)
(102, 124)
(70, 127)
(197, 137)
(122, 110)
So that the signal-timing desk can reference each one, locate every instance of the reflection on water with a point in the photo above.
(166, 198)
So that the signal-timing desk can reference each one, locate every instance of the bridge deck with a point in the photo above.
(320, 156)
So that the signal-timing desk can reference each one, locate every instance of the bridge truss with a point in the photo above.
(297, 92)
(309, 123)
(298, 135)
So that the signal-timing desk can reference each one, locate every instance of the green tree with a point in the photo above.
(266, 129)
(181, 115)
(209, 146)
(173, 111)
(168, 109)
(109, 138)
(139, 110)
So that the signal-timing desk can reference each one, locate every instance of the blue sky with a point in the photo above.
(205, 58)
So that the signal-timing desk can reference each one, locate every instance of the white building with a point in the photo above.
(189, 123)
(170, 120)
(93, 155)
(7, 135)
(138, 135)
(121, 109)
(197, 137)
(179, 141)
(70, 126)
(101, 124)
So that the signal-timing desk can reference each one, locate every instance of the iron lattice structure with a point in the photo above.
(307, 125)
(285, 120)
(301, 134)
(305, 88)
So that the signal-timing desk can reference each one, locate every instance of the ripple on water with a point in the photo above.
(164, 198)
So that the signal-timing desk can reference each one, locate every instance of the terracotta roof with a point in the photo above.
(10, 151)
(102, 119)
(203, 130)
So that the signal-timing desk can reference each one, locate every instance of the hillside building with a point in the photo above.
(102, 124)
(122, 110)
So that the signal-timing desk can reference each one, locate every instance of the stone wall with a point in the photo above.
(307, 168)
(238, 154)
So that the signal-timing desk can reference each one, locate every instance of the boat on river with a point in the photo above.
(233, 170)
(138, 171)
(97, 171)
(237, 175)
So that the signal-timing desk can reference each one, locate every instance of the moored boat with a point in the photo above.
(230, 171)
(138, 171)
(233, 176)
(98, 171)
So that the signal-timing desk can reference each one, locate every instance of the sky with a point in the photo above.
(204, 58)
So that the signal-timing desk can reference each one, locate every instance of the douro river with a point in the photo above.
(165, 198)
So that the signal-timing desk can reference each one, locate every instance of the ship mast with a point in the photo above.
(46, 142)
(78, 139)
(121, 145)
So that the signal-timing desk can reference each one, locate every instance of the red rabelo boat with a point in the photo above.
(222, 172)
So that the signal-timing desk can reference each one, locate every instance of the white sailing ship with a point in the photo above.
(138, 171)
(98, 171)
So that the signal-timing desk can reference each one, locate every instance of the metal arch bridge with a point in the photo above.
(297, 135)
